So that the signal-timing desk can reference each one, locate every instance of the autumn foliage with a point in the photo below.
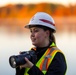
(19, 15)
(25, 11)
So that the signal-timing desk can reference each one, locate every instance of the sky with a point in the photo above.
(64, 2)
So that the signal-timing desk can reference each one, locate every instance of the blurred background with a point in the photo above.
(15, 14)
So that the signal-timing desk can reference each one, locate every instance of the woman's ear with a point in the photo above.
(47, 32)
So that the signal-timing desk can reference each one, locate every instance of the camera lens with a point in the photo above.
(12, 61)
(17, 60)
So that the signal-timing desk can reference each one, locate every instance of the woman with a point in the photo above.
(50, 60)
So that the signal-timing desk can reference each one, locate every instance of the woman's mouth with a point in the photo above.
(33, 39)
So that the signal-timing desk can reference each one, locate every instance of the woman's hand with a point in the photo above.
(28, 64)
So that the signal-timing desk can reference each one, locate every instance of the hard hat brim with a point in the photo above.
(34, 25)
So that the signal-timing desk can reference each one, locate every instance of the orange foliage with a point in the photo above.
(19, 15)
(26, 11)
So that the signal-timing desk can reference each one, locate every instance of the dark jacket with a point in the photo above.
(57, 67)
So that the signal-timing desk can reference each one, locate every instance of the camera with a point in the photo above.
(17, 60)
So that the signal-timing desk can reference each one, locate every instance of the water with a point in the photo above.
(13, 44)
(67, 43)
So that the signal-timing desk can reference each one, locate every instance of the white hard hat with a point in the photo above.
(42, 19)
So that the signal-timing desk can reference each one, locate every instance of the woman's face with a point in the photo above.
(38, 36)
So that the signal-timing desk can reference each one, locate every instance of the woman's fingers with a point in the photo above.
(28, 64)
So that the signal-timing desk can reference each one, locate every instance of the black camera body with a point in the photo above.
(17, 60)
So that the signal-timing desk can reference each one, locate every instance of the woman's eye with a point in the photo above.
(31, 31)
(36, 30)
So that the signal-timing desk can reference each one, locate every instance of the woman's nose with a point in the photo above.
(32, 34)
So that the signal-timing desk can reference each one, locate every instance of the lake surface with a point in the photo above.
(14, 43)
